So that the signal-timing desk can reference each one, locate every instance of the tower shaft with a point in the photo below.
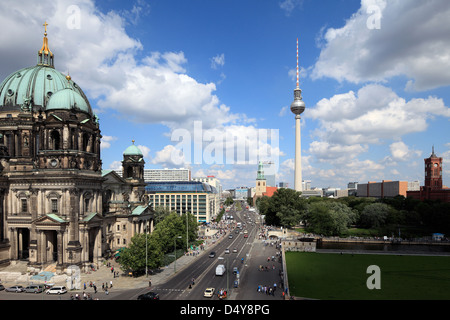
(298, 156)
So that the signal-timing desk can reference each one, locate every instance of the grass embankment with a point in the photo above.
(330, 276)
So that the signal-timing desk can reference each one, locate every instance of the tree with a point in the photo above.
(160, 214)
(168, 231)
(284, 208)
(329, 218)
(228, 201)
(374, 215)
(134, 257)
(192, 226)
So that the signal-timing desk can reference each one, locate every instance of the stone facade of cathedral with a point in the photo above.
(56, 205)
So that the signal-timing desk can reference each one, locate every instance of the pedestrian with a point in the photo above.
(149, 283)
(110, 283)
(95, 288)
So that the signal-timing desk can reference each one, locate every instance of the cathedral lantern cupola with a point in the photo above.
(133, 163)
(45, 56)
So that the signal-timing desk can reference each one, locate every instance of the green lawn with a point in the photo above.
(331, 276)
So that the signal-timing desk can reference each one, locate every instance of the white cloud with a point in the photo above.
(106, 141)
(401, 152)
(116, 165)
(373, 114)
(283, 111)
(145, 150)
(103, 59)
(289, 5)
(218, 60)
(411, 41)
(170, 157)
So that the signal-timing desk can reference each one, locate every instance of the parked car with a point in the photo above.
(14, 289)
(209, 292)
(56, 290)
(149, 296)
(34, 288)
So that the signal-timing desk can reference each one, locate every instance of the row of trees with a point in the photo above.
(335, 216)
(149, 249)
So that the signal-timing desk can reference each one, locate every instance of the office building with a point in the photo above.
(198, 198)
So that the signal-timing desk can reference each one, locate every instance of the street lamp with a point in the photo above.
(146, 251)
(228, 287)
(175, 253)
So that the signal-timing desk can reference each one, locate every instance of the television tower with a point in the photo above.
(297, 107)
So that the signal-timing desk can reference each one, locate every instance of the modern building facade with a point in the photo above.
(385, 188)
(53, 208)
(181, 174)
(198, 198)
(212, 180)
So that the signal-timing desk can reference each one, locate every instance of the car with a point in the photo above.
(34, 288)
(57, 290)
(235, 270)
(230, 236)
(14, 289)
(148, 296)
(212, 254)
(209, 292)
(2, 287)
(234, 250)
(227, 250)
(245, 235)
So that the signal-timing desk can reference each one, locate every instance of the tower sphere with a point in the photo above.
(298, 105)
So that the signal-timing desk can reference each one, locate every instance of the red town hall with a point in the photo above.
(433, 188)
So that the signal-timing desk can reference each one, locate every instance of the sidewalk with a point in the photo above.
(104, 274)
(16, 274)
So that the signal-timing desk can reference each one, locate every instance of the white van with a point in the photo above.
(220, 270)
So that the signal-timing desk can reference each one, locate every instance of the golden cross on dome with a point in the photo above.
(45, 25)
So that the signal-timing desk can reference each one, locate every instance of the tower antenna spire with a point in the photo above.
(297, 64)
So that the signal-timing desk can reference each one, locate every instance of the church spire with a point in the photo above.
(45, 56)
(260, 175)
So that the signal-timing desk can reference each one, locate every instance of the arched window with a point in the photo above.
(55, 140)
(130, 172)
(86, 146)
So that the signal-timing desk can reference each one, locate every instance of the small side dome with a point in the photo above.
(67, 99)
(132, 151)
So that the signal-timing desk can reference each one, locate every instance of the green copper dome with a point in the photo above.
(36, 85)
(32, 88)
(132, 151)
(68, 99)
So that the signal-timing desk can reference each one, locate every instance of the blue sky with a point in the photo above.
(373, 76)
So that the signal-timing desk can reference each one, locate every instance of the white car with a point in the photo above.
(227, 250)
(209, 292)
(56, 290)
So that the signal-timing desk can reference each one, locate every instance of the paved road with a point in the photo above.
(172, 286)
